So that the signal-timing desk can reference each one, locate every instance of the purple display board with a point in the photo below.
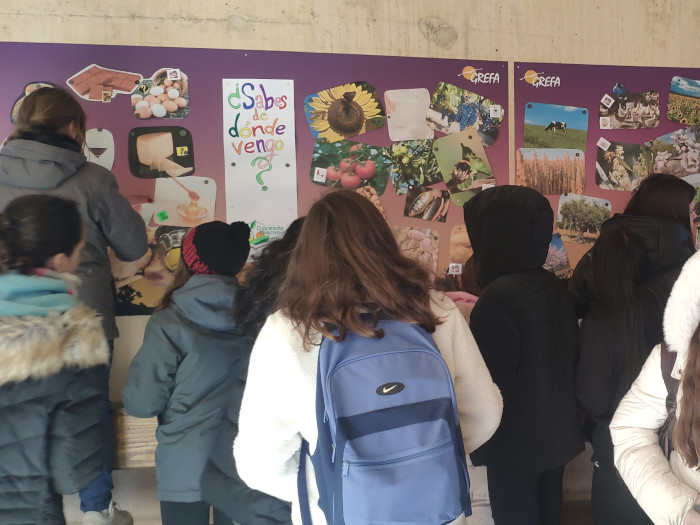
(597, 131)
(163, 110)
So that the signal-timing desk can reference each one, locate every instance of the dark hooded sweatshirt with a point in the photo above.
(526, 329)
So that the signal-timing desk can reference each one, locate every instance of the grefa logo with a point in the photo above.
(477, 77)
(533, 77)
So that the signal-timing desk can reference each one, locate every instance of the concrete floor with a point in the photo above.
(135, 492)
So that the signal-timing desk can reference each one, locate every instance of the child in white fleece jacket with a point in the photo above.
(278, 407)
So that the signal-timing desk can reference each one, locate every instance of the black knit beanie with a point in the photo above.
(216, 248)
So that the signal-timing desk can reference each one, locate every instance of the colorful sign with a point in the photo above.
(260, 155)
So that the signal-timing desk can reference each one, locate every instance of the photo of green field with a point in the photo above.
(535, 136)
(555, 126)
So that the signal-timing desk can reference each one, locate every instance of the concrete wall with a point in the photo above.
(623, 32)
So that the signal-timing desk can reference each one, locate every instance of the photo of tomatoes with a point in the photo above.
(349, 165)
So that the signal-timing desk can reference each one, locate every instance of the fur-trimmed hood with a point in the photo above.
(38, 347)
(682, 313)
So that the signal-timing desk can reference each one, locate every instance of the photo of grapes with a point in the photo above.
(349, 165)
(412, 162)
(454, 109)
(344, 111)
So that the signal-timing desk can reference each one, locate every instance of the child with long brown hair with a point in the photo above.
(667, 490)
(345, 268)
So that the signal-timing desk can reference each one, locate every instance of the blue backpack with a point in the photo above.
(389, 448)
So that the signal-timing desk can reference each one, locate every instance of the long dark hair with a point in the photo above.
(47, 111)
(666, 196)
(34, 228)
(347, 263)
(257, 297)
(686, 435)
(618, 261)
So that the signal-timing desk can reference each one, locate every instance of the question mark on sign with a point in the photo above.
(263, 164)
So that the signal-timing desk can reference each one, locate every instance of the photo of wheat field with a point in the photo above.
(684, 101)
(550, 171)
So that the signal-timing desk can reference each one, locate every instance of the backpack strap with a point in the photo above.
(668, 359)
(302, 489)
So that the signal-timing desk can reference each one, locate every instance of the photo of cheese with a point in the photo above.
(161, 151)
(154, 147)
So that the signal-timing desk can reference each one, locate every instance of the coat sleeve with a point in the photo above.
(152, 372)
(578, 286)
(122, 227)
(638, 456)
(499, 342)
(266, 449)
(478, 398)
(76, 437)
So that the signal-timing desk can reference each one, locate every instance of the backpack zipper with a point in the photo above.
(387, 463)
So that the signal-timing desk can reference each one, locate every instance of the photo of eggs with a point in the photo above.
(164, 95)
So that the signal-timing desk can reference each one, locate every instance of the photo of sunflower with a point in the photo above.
(344, 111)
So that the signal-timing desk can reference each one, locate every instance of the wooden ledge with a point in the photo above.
(134, 439)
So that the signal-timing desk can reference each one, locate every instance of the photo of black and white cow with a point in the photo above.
(555, 125)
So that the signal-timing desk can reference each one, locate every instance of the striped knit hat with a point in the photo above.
(216, 248)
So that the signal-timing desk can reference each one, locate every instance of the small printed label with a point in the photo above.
(182, 151)
(162, 216)
(174, 74)
(454, 269)
(604, 122)
(320, 175)
(603, 144)
(607, 101)
(496, 111)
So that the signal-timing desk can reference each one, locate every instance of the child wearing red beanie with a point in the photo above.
(193, 360)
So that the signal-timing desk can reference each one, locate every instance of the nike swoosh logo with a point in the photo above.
(386, 390)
